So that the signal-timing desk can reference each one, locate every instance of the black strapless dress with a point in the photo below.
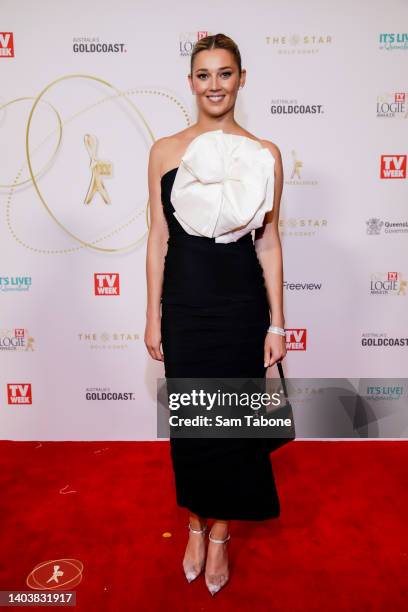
(215, 315)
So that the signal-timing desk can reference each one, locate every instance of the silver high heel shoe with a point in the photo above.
(222, 579)
(189, 570)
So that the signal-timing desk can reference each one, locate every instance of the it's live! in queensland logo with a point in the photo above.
(393, 40)
(19, 393)
(6, 44)
(106, 283)
(393, 167)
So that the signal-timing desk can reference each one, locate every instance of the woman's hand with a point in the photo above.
(152, 338)
(274, 349)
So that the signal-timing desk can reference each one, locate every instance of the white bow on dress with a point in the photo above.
(224, 186)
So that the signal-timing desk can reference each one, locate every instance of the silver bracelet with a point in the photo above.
(273, 329)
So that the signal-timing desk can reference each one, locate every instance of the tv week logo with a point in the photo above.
(6, 44)
(19, 393)
(106, 283)
(393, 167)
(295, 339)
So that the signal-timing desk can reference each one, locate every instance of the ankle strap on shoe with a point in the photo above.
(219, 541)
(197, 530)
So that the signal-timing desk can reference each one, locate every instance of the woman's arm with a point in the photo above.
(155, 254)
(269, 252)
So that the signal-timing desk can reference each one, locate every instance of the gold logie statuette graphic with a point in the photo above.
(402, 287)
(297, 165)
(99, 169)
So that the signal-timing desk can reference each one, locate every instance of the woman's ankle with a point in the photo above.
(220, 530)
(197, 522)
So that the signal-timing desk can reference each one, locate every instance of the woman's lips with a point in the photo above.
(215, 99)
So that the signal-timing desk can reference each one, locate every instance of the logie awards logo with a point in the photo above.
(388, 283)
(296, 174)
(97, 210)
(392, 105)
(17, 339)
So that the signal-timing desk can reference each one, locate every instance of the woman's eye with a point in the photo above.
(223, 74)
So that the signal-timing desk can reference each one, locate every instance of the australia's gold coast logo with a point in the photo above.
(99, 169)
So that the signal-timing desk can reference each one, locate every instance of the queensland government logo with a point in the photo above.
(282, 106)
(392, 105)
(292, 44)
(391, 41)
(94, 44)
(388, 283)
(375, 226)
(187, 41)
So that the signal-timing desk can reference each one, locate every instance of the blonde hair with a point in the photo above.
(216, 41)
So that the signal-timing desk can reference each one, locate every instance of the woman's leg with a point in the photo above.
(194, 555)
(196, 521)
(219, 529)
(216, 568)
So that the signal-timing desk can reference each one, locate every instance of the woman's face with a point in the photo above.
(215, 81)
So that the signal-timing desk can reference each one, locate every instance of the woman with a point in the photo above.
(216, 288)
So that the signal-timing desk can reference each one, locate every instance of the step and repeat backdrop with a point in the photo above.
(86, 88)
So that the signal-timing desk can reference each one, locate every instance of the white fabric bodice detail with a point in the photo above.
(224, 186)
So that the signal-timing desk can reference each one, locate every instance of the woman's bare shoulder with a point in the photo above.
(172, 141)
(273, 148)
(168, 149)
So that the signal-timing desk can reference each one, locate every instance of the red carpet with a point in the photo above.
(340, 543)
